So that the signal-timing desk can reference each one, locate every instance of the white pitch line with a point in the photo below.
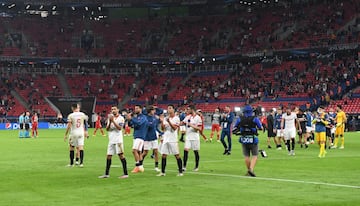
(268, 179)
(277, 180)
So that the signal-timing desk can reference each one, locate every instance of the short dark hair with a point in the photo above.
(339, 105)
(138, 105)
(150, 108)
(192, 107)
(74, 105)
(171, 105)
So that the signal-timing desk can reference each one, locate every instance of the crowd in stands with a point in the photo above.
(298, 26)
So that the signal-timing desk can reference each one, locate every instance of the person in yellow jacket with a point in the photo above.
(340, 120)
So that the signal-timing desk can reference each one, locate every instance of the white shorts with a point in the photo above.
(138, 144)
(148, 145)
(182, 128)
(332, 130)
(289, 133)
(279, 133)
(76, 140)
(170, 148)
(192, 144)
(309, 129)
(114, 149)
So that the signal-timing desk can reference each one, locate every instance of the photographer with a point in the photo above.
(247, 127)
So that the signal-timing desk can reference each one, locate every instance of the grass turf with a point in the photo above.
(33, 172)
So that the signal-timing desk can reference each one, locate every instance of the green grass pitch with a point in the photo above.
(33, 172)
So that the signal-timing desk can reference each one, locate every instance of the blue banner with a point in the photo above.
(41, 125)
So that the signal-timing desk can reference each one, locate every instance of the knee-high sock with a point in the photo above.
(322, 148)
(179, 163)
(163, 164)
(108, 164)
(72, 155)
(288, 145)
(81, 156)
(342, 141)
(197, 159)
(292, 144)
(185, 158)
(124, 165)
(336, 141)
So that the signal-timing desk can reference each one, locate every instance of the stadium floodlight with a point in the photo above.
(54, 7)
(41, 7)
(262, 109)
(27, 7)
(73, 8)
(86, 8)
(99, 8)
(237, 109)
(274, 109)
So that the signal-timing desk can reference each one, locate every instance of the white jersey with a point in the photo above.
(77, 123)
(191, 133)
(115, 135)
(289, 120)
(171, 135)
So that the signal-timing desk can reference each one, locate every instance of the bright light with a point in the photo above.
(28, 6)
(54, 7)
(99, 8)
(86, 8)
(41, 7)
(262, 109)
(11, 6)
(274, 109)
(237, 109)
(73, 8)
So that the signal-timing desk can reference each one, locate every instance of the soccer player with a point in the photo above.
(309, 128)
(182, 116)
(331, 127)
(320, 130)
(270, 128)
(215, 125)
(21, 125)
(289, 122)
(98, 125)
(277, 128)
(151, 139)
(201, 131)
(340, 120)
(226, 120)
(34, 125)
(247, 127)
(139, 122)
(301, 116)
(170, 145)
(193, 124)
(114, 125)
(76, 128)
(27, 124)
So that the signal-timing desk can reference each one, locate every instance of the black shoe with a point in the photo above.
(306, 146)
(228, 153)
(182, 140)
(225, 152)
(252, 174)
(301, 145)
(152, 156)
(269, 146)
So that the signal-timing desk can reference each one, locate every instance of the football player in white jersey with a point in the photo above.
(289, 122)
(114, 125)
(76, 130)
(170, 145)
(193, 124)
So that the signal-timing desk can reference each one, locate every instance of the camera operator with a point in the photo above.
(246, 127)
